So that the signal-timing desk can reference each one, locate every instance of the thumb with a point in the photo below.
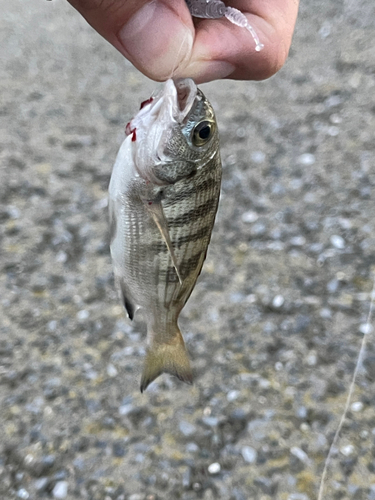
(156, 36)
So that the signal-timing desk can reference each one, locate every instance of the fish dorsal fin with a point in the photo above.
(155, 209)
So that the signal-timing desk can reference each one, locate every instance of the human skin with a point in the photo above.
(162, 40)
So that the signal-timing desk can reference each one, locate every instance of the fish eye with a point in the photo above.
(202, 133)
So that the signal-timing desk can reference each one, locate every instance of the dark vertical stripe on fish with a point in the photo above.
(189, 238)
(195, 213)
(161, 247)
(206, 185)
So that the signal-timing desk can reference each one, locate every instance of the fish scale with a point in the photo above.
(163, 198)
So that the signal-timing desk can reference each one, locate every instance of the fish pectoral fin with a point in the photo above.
(171, 357)
(155, 209)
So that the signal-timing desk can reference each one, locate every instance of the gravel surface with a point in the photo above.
(276, 320)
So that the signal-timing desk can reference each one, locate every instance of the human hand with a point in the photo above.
(160, 38)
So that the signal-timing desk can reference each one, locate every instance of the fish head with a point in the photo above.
(174, 134)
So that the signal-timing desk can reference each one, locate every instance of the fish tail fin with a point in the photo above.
(167, 357)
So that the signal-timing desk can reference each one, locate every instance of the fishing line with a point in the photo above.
(176, 64)
(350, 393)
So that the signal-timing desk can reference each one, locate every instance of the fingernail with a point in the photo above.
(156, 41)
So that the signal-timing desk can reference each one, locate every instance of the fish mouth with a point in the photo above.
(172, 104)
(177, 99)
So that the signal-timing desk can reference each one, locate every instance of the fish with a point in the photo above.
(163, 198)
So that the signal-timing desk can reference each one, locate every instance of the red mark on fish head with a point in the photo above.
(150, 202)
(147, 101)
(128, 128)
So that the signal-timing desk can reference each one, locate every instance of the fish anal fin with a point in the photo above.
(155, 209)
(129, 306)
(171, 357)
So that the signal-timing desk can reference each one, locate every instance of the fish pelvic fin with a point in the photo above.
(155, 209)
(167, 357)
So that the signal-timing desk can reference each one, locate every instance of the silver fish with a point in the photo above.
(163, 197)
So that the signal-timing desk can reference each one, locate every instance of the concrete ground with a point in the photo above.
(275, 323)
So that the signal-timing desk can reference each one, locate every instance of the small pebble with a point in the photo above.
(347, 450)
(301, 412)
(186, 428)
(249, 454)
(22, 493)
(345, 223)
(275, 245)
(241, 132)
(111, 370)
(41, 483)
(298, 241)
(332, 101)
(300, 454)
(126, 409)
(251, 298)
(337, 241)
(210, 421)
(333, 131)
(366, 328)
(249, 217)
(258, 229)
(61, 257)
(214, 468)
(296, 183)
(324, 32)
(236, 297)
(356, 406)
(325, 313)
(192, 448)
(101, 204)
(60, 490)
(312, 359)
(332, 286)
(233, 395)
(258, 156)
(306, 159)
(52, 325)
(335, 118)
(82, 315)
(13, 212)
(278, 301)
